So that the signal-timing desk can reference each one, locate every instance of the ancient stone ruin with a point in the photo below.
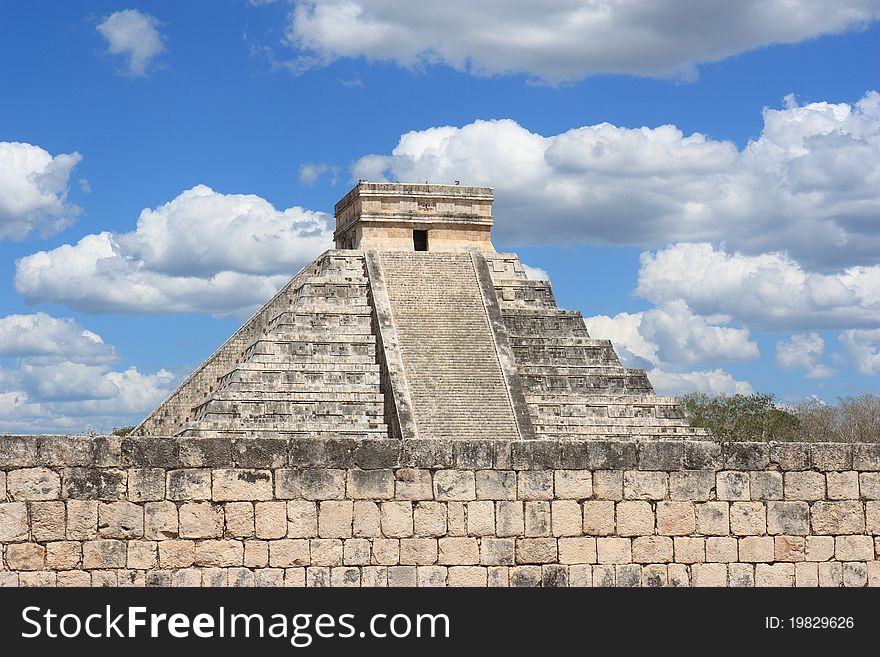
(412, 410)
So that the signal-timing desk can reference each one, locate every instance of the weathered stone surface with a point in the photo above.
(239, 485)
(160, 520)
(146, 484)
(370, 484)
(93, 484)
(837, 517)
(33, 484)
(189, 485)
(201, 520)
(14, 526)
(121, 520)
(414, 484)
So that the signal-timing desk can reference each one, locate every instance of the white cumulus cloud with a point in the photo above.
(33, 190)
(807, 185)
(562, 39)
(202, 251)
(714, 382)
(862, 346)
(57, 377)
(803, 352)
(135, 36)
(770, 291)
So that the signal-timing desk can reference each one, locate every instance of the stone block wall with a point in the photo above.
(107, 511)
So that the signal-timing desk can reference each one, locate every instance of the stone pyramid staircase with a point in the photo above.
(456, 384)
(575, 386)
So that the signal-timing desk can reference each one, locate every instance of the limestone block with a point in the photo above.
(654, 575)
(13, 522)
(837, 517)
(866, 456)
(470, 576)
(789, 548)
(855, 574)
(535, 485)
(413, 484)
(756, 548)
(635, 518)
(302, 519)
(537, 519)
(25, 556)
(675, 518)
(82, 520)
(431, 576)
(598, 518)
(831, 456)
(497, 551)
(732, 485)
(189, 485)
(608, 485)
(286, 553)
(777, 574)
(458, 551)
(572, 484)
(581, 575)
(70, 578)
(63, 555)
(370, 484)
(240, 577)
(239, 519)
(536, 550)
(270, 519)
(613, 550)
(366, 520)
(201, 520)
(806, 575)
(554, 576)
(256, 554)
(176, 553)
(766, 485)
(713, 518)
(104, 578)
(481, 518)
(604, 576)
(454, 485)
(499, 576)
(689, 550)
(819, 548)
(142, 555)
(374, 576)
(748, 519)
(345, 576)
(652, 549)
(270, 577)
(830, 574)
(872, 517)
(335, 519)
(146, 484)
(807, 486)
(33, 484)
(525, 576)
(396, 519)
(104, 553)
(93, 484)
(691, 485)
(235, 485)
(429, 519)
(791, 456)
(317, 576)
(709, 574)
(645, 485)
(219, 553)
(456, 519)
(854, 548)
(869, 485)
(386, 551)
(356, 552)
(404, 576)
(120, 520)
(160, 520)
(741, 574)
(509, 518)
(567, 518)
(721, 549)
(842, 485)
(788, 518)
(496, 484)
(418, 551)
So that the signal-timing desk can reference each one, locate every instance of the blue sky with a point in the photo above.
(699, 180)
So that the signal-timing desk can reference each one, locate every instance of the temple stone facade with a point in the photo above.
(415, 327)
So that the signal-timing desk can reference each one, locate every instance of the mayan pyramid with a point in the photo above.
(415, 327)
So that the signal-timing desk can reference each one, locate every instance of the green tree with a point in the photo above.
(740, 417)
(122, 431)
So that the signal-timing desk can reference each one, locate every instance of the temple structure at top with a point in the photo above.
(414, 327)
